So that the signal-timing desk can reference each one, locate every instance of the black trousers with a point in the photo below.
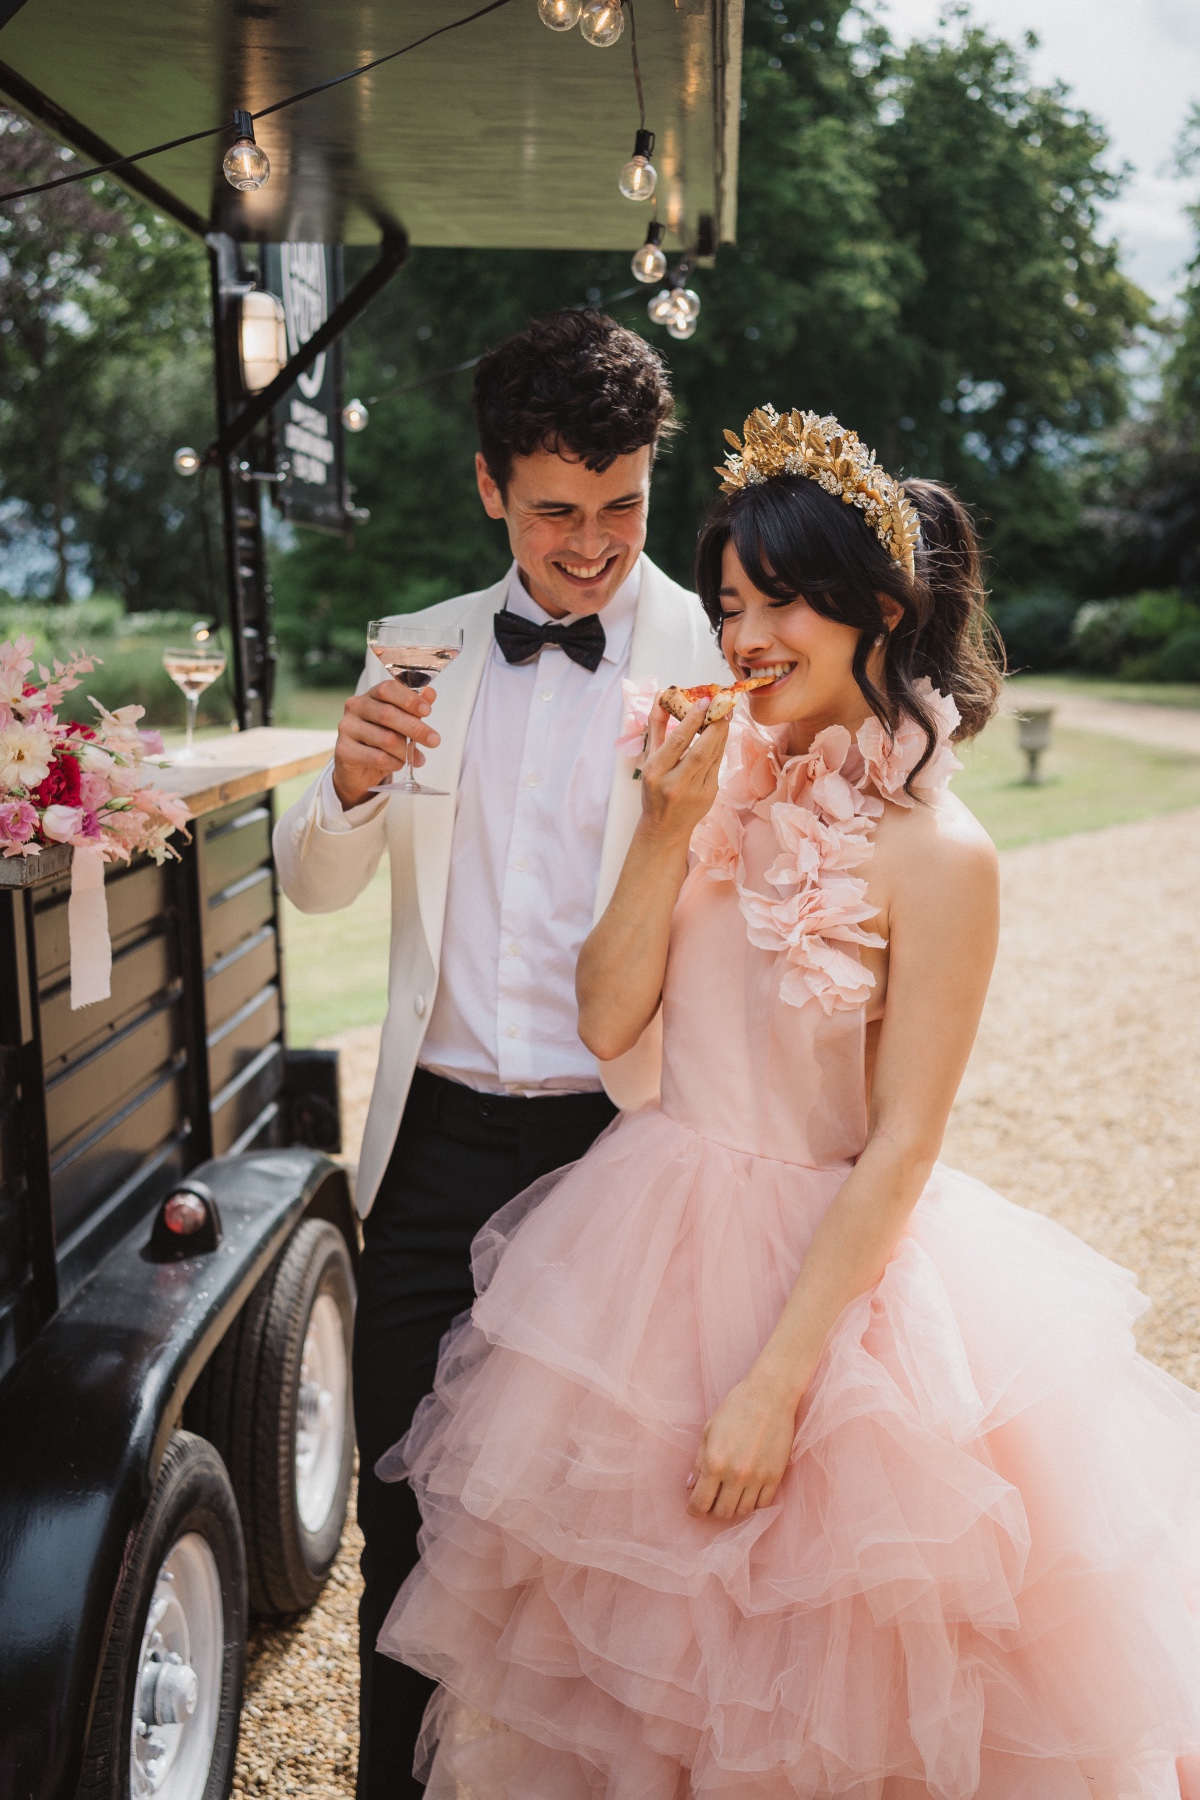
(458, 1157)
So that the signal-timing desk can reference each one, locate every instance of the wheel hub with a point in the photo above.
(320, 1413)
(178, 1690)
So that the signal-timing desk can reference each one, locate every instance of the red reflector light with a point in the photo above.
(185, 1214)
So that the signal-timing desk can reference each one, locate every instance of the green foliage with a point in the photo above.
(128, 650)
(918, 251)
(104, 370)
(1151, 636)
(1036, 629)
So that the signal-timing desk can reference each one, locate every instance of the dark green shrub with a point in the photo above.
(1036, 629)
(1129, 637)
(1179, 658)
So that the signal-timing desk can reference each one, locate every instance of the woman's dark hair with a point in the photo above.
(575, 381)
(792, 538)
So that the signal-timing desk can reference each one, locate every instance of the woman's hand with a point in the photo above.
(679, 776)
(744, 1451)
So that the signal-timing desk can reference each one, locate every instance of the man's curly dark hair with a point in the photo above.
(575, 382)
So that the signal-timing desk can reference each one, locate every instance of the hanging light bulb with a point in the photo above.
(639, 178)
(560, 15)
(355, 416)
(186, 460)
(245, 164)
(662, 306)
(687, 301)
(602, 22)
(649, 263)
(679, 325)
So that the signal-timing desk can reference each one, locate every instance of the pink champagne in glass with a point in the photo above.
(413, 654)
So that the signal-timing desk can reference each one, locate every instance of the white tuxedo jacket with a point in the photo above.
(322, 871)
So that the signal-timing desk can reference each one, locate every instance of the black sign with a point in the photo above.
(307, 278)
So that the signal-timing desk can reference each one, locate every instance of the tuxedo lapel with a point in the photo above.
(433, 818)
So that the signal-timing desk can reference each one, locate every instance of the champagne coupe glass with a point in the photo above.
(412, 653)
(192, 670)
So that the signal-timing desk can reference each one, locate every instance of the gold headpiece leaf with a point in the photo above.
(802, 443)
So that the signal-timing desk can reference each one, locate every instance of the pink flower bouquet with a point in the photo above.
(63, 783)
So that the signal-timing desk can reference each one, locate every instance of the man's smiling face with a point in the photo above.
(575, 533)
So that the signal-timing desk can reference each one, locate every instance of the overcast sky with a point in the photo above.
(1134, 64)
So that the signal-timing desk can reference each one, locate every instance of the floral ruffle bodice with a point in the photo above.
(822, 808)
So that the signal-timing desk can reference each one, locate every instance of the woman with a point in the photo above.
(775, 1459)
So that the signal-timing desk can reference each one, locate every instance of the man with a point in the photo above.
(483, 1084)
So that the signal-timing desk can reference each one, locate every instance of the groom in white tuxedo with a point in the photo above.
(483, 1084)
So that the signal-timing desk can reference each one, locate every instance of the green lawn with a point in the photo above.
(337, 962)
(1090, 781)
(1099, 687)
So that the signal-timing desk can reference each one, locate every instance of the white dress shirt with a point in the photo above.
(531, 807)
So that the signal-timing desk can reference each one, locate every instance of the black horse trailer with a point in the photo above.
(177, 1244)
(176, 1295)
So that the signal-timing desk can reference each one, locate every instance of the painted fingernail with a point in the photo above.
(691, 1480)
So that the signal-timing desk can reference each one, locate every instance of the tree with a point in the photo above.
(919, 251)
(105, 368)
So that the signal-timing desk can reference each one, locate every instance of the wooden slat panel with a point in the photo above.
(240, 1040)
(139, 976)
(234, 847)
(86, 1178)
(236, 977)
(241, 1102)
(233, 915)
(136, 897)
(103, 1083)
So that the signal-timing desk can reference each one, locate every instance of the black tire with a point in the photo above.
(192, 1499)
(288, 1560)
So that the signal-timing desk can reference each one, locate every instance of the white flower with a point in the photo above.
(26, 752)
(60, 823)
(92, 757)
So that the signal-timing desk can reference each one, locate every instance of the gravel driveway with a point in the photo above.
(1081, 1101)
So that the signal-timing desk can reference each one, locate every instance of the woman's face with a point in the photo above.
(811, 657)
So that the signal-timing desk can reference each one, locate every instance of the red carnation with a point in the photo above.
(61, 786)
(83, 731)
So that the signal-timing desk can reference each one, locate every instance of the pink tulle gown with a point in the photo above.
(981, 1575)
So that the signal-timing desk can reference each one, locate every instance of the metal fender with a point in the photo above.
(85, 1416)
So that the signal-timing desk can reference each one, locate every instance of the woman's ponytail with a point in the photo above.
(955, 645)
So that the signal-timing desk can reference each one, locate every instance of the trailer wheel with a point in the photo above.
(292, 1429)
(165, 1723)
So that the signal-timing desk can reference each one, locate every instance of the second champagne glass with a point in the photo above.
(412, 653)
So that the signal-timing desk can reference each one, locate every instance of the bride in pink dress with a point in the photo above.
(776, 1459)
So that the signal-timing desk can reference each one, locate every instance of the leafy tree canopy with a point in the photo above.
(105, 367)
(919, 251)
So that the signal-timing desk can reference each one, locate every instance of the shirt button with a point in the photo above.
(520, 865)
(514, 949)
(512, 1031)
(548, 694)
(532, 780)
(419, 1005)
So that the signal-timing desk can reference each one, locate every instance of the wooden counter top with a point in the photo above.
(245, 762)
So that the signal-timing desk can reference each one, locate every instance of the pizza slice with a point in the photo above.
(722, 700)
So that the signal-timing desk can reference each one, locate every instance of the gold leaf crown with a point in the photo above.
(800, 443)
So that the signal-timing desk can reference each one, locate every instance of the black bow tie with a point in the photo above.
(521, 640)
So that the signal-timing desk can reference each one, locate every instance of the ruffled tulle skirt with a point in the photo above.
(981, 1575)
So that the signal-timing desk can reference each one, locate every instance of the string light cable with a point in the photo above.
(238, 123)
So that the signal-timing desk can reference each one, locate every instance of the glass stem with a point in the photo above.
(410, 773)
(193, 702)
